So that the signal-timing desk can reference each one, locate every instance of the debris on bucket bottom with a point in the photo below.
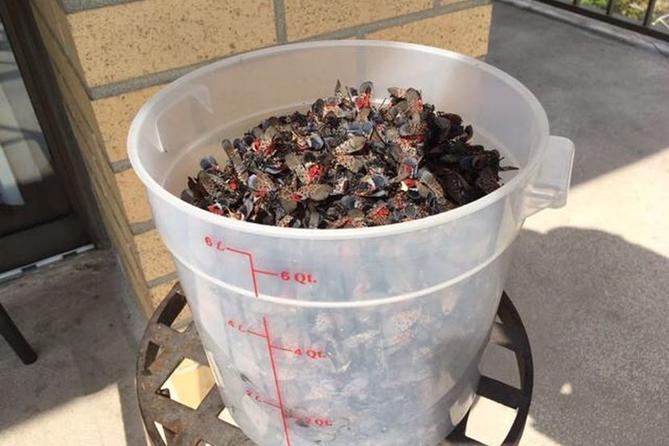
(348, 163)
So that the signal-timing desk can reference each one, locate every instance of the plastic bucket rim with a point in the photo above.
(337, 234)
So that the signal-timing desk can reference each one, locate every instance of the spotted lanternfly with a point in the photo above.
(350, 161)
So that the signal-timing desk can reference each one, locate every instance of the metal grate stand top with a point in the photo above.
(163, 348)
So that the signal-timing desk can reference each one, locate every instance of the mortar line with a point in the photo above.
(74, 6)
(280, 21)
(162, 77)
(161, 280)
(399, 20)
(142, 227)
(120, 165)
(54, 37)
(152, 79)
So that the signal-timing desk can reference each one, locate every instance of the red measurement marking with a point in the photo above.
(257, 397)
(314, 421)
(276, 382)
(309, 353)
(213, 243)
(312, 354)
(269, 273)
(253, 269)
(209, 241)
(290, 350)
(298, 351)
(301, 278)
(302, 420)
(243, 329)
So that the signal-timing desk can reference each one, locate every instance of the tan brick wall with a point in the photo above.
(463, 31)
(133, 197)
(132, 39)
(156, 260)
(110, 60)
(74, 92)
(306, 18)
(159, 292)
(56, 20)
(114, 115)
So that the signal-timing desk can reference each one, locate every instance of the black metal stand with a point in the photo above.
(16, 341)
(163, 348)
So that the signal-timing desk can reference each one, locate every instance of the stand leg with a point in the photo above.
(16, 341)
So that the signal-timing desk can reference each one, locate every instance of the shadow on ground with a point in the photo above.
(76, 318)
(595, 307)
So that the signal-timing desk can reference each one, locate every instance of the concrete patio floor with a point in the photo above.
(79, 317)
(590, 280)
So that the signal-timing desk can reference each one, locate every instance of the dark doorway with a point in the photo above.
(46, 206)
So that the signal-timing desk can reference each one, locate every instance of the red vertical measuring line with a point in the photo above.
(251, 265)
(276, 382)
(267, 339)
(253, 274)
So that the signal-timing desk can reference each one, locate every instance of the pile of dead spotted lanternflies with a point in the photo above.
(348, 162)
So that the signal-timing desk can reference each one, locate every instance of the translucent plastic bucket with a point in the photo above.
(352, 336)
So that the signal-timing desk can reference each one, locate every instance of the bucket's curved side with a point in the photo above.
(340, 271)
(393, 374)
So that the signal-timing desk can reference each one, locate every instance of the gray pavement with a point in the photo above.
(81, 389)
(590, 280)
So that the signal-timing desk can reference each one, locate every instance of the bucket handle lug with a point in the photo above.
(196, 94)
(550, 186)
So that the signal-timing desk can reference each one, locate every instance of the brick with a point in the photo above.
(463, 31)
(306, 18)
(133, 197)
(55, 19)
(159, 292)
(68, 79)
(138, 38)
(154, 257)
(114, 116)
